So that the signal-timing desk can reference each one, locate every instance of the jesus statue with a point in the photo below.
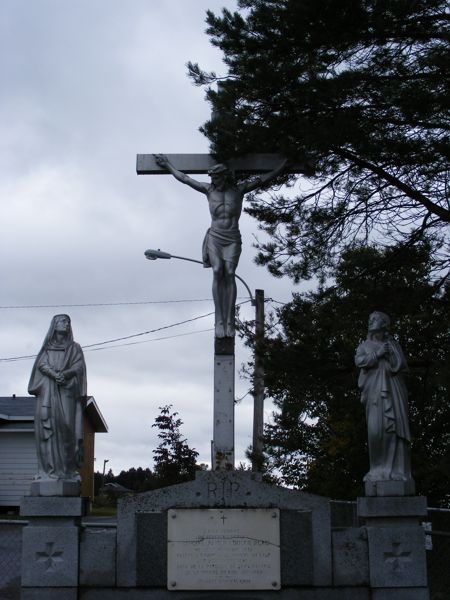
(222, 244)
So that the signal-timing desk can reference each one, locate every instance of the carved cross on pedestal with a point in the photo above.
(396, 557)
(50, 557)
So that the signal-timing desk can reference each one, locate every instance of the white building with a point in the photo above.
(18, 461)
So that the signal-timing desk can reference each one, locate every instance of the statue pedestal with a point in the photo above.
(223, 436)
(390, 488)
(50, 547)
(396, 543)
(55, 487)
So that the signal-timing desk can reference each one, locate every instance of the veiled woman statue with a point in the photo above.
(58, 380)
(385, 398)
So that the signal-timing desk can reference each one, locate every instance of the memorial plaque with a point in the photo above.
(223, 549)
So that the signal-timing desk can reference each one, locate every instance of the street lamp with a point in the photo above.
(103, 474)
(258, 374)
(155, 254)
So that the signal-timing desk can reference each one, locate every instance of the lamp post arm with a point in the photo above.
(188, 259)
(237, 276)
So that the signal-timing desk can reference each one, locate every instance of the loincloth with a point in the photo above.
(226, 244)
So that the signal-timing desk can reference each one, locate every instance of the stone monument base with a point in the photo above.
(225, 536)
(55, 487)
(396, 544)
(50, 547)
(390, 488)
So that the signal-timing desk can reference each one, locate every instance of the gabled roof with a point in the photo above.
(17, 408)
(21, 408)
(95, 416)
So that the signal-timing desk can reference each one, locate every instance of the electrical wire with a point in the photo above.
(94, 304)
(127, 337)
(101, 304)
(166, 337)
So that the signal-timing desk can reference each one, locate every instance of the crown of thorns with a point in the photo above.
(216, 169)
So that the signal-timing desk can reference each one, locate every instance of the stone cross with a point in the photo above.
(396, 557)
(181, 166)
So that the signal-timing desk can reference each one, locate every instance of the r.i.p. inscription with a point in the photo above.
(223, 549)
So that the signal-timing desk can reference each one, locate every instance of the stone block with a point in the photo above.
(224, 346)
(55, 487)
(50, 556)
(223, 428)
(415, 506)
(296, 548)
(49, 593)
(401, 594)
(151, 549)
(232, 489)
(283, 594)
(390, 488)
(56, 506)
(397, 557)
(350, 557)
(98, 556)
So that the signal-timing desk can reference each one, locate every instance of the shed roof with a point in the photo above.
(21, 408)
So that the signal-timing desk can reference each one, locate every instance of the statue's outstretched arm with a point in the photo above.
(253, 184)
(164, 162)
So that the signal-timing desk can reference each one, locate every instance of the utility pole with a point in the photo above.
(258, 383)
(103, 474)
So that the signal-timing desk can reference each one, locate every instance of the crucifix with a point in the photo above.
(221, 251)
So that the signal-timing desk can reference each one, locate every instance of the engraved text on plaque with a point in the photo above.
(223, 549)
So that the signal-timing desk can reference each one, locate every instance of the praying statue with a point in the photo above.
(58, 380)
(385, 398)
(222, 244)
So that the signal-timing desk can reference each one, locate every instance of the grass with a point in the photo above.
(9, 516)
(103, 511)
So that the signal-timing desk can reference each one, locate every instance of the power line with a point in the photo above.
(94, 304)
(127, 337)
(166, 337)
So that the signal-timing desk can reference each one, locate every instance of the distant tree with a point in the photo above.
(109, 476)
(137, 479)
(360, 89)
(317, 439)
(174, 460)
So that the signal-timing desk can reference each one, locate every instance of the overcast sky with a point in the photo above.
(86, 86)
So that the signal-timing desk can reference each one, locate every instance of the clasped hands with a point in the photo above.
(384, 350)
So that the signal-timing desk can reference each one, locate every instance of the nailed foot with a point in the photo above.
(219, 330)
(231, 331)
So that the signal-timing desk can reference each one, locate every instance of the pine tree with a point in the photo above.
(174, 460)
(358, 88)
(317, 438)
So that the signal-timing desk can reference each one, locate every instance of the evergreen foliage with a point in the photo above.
(360, 89)
(174, 460)
(317, 438)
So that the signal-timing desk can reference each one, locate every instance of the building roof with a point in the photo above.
(21, 408)
(17, 408)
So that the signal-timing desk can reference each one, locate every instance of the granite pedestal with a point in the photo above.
(396, 545)
(50, 547)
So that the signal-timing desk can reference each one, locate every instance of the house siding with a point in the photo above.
(18, 466)
(87, 470)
